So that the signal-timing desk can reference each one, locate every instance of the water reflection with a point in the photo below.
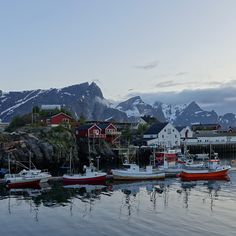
(211, 192)
(134, 197)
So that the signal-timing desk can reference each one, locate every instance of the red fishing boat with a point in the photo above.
(168, 155)
(89, 177)
(213, 170)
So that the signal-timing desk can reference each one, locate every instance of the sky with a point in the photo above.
(169, 50)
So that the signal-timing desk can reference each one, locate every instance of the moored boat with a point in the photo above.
(133, 172)
(213, 170)
(89, 177)
(43, 175)
(18, 181)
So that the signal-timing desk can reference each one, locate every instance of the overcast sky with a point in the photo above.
(175, 50)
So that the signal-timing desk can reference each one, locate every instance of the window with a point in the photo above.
(164, 130)
(168, 131)
(162, 136)
(96, 132)
(175, 136)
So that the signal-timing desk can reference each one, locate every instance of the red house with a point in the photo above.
(59, 119)
(110, 132)
(89, 131)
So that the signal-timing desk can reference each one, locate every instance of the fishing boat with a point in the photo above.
(213, 170)
(89, 177)
(18, 181)
(33, 172)
(134, 172)
(43, 175)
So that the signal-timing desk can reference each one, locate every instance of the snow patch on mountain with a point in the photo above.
(20, 102)
(172, 111)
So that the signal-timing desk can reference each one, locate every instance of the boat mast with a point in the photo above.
(98, 157)
(9, 163)
(30, 160)
(70, 162)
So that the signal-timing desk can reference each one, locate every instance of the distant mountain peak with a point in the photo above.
(194, 106)
(87, 99)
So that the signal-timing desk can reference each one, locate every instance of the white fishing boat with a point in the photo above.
(134, 172)
(43, 175)
(33, 172)
(20, 181)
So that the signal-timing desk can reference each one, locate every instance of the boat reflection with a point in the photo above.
(131, 198)
(27, 195)
(212, 193)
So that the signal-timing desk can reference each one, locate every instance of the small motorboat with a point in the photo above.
(213, 170)
(89, 177)
(133, 172)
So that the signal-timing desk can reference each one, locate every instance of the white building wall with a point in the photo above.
(183, 132)
(211, 140)
(169, 136)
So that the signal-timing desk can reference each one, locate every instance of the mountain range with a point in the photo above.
(87, 100)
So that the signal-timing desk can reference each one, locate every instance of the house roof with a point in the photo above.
(86, 127)
(156, 128)
(62, 113)
(205, 126)
(104, 126)
(180, 128)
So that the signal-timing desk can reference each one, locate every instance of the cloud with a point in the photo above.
(181, 73)
(168, 83)
(148, 66)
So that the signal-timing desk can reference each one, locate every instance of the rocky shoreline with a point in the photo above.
(49, 148)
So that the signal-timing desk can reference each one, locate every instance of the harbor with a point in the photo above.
(140, 208)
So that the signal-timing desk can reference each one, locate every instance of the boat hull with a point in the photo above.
(134, 177)
(79, 179)
(23, 184)
(204, 175)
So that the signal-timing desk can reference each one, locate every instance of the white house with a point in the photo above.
(162, 134)
(185, 132)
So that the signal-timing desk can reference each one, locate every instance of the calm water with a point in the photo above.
(167, 207)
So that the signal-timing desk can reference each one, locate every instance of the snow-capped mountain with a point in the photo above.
(228, 119)
(194, 114)
(87, 100)
(82, 99)
(136, 107)
(171, 112)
